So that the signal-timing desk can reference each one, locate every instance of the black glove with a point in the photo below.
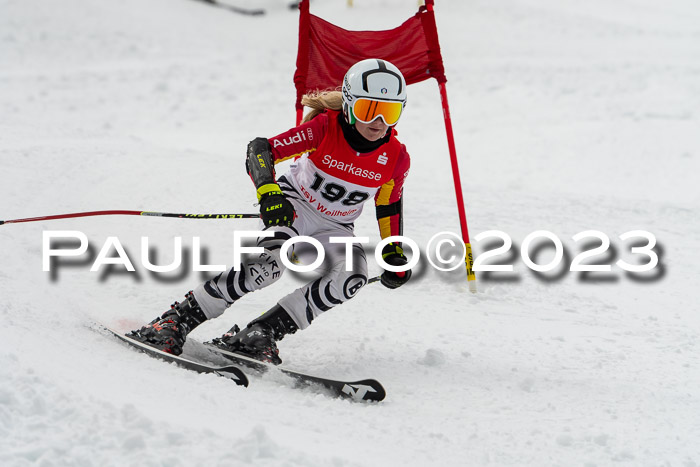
(392, 254)
(275, 208)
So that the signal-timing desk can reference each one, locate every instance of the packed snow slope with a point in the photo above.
(569, 116)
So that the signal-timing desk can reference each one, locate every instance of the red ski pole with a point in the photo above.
(131, 213)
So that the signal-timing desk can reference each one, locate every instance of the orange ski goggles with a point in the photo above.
(368, 110)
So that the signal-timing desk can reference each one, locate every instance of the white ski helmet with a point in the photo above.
(377, 88)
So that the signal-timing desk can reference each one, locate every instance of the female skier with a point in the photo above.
(347, 152)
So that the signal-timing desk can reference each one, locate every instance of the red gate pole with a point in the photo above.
(468, 257)
(302, 55)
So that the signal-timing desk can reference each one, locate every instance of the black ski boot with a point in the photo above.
(168, 332)
(259, 339)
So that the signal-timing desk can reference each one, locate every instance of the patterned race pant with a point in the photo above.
(335, 286)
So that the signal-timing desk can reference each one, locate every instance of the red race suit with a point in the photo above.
(337, 180)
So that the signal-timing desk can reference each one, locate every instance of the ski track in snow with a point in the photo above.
(568, 117)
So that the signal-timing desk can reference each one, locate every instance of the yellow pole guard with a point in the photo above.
(469, 263)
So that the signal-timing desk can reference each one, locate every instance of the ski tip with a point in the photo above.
(235, 374)
(365, 390)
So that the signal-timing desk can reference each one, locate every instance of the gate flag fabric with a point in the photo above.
(326, 51)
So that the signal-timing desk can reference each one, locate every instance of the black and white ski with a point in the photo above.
(364, 390)
(231, 372)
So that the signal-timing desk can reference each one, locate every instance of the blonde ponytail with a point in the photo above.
(321, 100)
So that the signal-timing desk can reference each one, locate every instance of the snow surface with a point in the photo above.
(568, 116)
